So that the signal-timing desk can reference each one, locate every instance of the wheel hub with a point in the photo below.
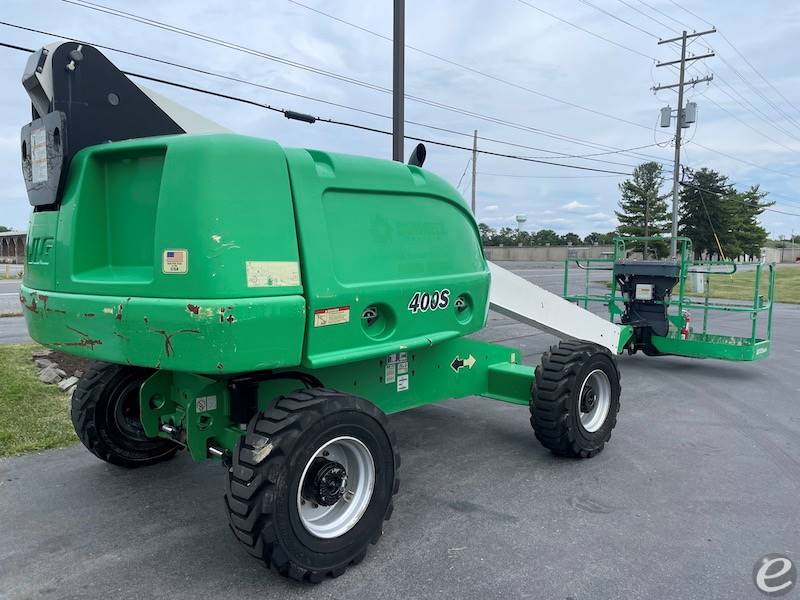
(325, 483)
(589, 400)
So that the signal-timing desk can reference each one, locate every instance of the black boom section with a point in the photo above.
(86, 101)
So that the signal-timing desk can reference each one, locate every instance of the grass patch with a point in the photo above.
(33, 416)
(740, 285)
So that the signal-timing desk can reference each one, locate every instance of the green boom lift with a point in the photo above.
(267, 307)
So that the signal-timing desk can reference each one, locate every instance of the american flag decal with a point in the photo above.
(175, 261)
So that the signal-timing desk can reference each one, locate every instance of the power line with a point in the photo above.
(743, 161)
(650, 17)
(696, 16)
(487, 118)
(316, 70)
(292, 114)
(748, 63)
(662, 13)
(757, 72)
(584, 30)
(466, 67)
(758, 131)
(554, 153)
(514, 175)
(620, 19)
(460, 179)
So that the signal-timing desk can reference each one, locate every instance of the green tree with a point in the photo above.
(487, 234)
(3, 229)
(707, 215)
(643, 208)
(747, 232)
(571, 238)
(600, 238)
(546, 236)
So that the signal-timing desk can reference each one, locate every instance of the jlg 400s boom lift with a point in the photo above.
(268, 307)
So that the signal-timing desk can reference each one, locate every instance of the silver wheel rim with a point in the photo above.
(339, 518)
(594, 400)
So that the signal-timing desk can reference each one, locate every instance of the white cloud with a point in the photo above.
(575, 206)
(491, 208)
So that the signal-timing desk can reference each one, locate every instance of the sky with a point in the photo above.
(560, 80)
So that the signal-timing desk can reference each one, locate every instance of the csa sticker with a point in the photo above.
(175, 262)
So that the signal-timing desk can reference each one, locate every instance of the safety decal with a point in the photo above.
(459, 363)
(389, 373)
(396, 370)
(402, 383)
(272, 273)
(331, 316)
(175, 262)
(425, 301)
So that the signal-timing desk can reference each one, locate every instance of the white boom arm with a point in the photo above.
(518, 298)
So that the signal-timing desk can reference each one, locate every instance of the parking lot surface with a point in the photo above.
(700, 479)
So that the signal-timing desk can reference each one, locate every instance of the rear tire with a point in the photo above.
(105, 415)
(312, 482)
(575, 399)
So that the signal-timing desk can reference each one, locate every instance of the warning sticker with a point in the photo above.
(398, 357)
(402, 383)
(38, 156)
(389, 374)
(271, 273)
(402, 367)
(206, 403)
(175, 261)
(331, 316)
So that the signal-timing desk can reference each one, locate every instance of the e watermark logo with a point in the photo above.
(774, 575)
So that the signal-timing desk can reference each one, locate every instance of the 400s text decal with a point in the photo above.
(424, 301)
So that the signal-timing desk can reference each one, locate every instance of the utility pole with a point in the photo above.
(398, 80)
(474, 167)
(679, 120)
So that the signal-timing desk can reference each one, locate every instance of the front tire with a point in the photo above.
(312, 482)
(105, 415)
(575, 399)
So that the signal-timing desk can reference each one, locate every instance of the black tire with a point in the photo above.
(555, 402)
(105, 415)
(264, 478)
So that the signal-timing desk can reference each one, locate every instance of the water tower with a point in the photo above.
(520, 220)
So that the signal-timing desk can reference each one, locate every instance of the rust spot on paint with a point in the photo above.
(88, 315)
(32, 306)
(124, 337)
(119, 313)
(84, 341)
(168, 348)
(220, 365)
(146, 320)
(231, 319)
(193, 308)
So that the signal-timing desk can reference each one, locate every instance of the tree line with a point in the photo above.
(721, 220)
(508, 236)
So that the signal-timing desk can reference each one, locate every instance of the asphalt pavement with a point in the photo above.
(700, 479)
